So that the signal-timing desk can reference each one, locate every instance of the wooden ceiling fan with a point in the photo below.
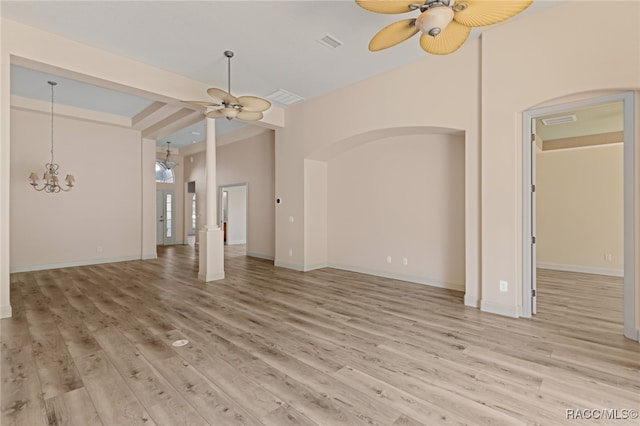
(445, 24)
(246, 108)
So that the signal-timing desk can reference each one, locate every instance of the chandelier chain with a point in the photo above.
(52, 83)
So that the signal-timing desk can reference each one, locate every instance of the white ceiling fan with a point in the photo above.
(246, 108)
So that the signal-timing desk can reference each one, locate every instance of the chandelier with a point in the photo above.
(51, 182)
(167, 162)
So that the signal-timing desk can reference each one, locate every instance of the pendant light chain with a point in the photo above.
(52, 83)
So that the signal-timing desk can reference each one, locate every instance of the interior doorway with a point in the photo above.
(165, 217)
(617, 255)
(233, 213)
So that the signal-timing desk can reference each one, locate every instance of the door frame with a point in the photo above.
(221, 188)
(161, 194)
(627, 99)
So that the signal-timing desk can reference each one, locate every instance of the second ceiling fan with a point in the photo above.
(246, 108)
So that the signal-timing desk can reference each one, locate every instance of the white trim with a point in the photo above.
(315, 266)
(30, 268)
(149, 256)
(5, 311)
(293, 266)
(471, 301)
(582, 269)
(500, 309)
(630, 300)
(260, 255)
(236, 242)
(211, 277)
(400, 277)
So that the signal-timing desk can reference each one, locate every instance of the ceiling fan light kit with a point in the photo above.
(246, 108)
(445, 24)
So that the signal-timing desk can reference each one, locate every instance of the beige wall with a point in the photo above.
(401, 197)
(252, 161)
(526, 62)
(579, 209)
(522, 63)
(100, 219)
(393, 104)
(249, 161)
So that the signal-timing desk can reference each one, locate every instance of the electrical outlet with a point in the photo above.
(291, 219)
(608, 257)
(290, 252)
(99, 249)
(388, 259)
(504, 286)
(405, 261)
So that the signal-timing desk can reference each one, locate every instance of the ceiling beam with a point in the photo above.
(582, 141)
(171, 124)
(154, 113)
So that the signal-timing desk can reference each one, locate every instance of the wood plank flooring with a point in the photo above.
(270, 346)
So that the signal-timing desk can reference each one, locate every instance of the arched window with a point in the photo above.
(163, 174)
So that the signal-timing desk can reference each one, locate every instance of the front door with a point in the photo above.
(165, 217)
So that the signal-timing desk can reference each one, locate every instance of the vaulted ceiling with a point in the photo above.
(277, 46)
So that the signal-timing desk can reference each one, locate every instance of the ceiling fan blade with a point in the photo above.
(387, 6)
(447, 41)
(220, 96)
(479, 13)
(202, 103)
(218, 113)
(393, 34)
(249, 115)
(253, 103)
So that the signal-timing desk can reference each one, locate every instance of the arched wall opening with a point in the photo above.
(391, 203)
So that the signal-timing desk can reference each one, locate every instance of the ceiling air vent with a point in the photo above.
(559, 120)
(330, 41)
(283, 97)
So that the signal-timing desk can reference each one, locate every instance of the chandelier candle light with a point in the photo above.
(51, 182)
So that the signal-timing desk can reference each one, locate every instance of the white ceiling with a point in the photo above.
(276, 44)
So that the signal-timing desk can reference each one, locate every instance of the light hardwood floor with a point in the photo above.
(270, 346)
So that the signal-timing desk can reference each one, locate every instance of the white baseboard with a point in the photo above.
(471, 301)
(260, 255)
(5, 311)
(236, 242)
(149, 256)
(30, 268)
(308, 268)
(500, 309)
(582, 269)
(399, 277)
(293, 266)
(211, 277)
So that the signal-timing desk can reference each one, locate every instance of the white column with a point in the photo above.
(210, 176)
(211, 236)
